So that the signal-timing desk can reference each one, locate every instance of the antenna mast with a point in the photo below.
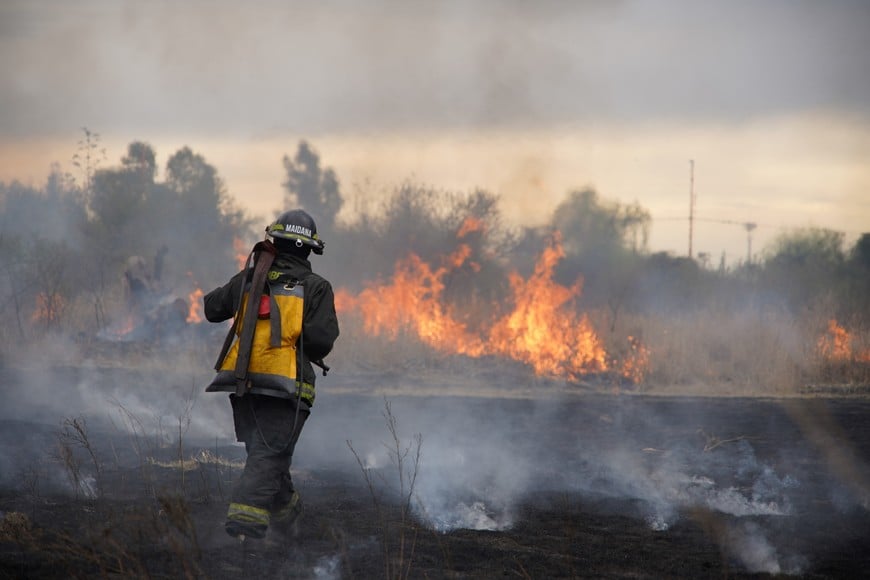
(691, 202)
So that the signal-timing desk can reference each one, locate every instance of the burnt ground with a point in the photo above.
(570, 486)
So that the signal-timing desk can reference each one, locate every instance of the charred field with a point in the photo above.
(128, 473)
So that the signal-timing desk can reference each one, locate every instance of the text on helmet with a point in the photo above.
(294, 229)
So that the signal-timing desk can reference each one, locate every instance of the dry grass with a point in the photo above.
(715, 352)
(722, 353)
(710, 353)
(398, 533)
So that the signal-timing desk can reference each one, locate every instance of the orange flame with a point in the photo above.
(194, 301)
(636, 364)
(125, 327)
(48, 309)
(413, 301)
(194, 313)
(469, 225)
(344, 300)
(542, 329)
(120, 328)
(836, 344)
(242, 251)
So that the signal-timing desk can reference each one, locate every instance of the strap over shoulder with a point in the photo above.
(262, 255)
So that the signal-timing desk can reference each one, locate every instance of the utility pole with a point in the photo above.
(691, 202)
(749, 227)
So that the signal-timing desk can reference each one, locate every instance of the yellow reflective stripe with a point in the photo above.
(305, 391)
(247, 513)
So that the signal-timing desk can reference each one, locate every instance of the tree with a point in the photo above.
(601, 241)
(53, 212)
(188, 173)
(189, 219)
(311, 188)
(807, 247)
(804, 265)
(860, 255)
(201, 221)
(51, 271)
(858, 292)
(117, 198)
(13, 287)
(141, 160)
(87, 158)
(591, 227)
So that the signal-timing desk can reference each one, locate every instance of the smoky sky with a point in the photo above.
(265, 68)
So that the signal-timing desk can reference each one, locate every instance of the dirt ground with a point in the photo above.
(576, 485)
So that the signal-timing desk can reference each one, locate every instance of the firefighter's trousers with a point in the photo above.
(269, 427)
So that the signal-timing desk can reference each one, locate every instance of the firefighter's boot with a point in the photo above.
(246, 521)
(285, 521)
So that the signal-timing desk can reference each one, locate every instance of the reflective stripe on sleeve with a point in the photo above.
(249, 514)
(305, 391)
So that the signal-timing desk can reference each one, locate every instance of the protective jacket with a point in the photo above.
(298, 325)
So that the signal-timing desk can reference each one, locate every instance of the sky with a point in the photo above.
(759, 108)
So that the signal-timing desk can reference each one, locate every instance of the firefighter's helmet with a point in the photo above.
(297, 225)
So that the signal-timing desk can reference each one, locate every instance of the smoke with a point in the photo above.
(483, 460)
(748, 542)
(327, 568)
(504, 63)
(740, 470)
(163, 395)
(471, 487)
(735, 484)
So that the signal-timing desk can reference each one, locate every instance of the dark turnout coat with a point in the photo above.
(319, 321)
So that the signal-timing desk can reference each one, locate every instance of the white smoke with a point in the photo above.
(477, 470)
(473, 487)
(482, 460)
(445, 516)
(748, 543)
(474, 473)
(155, 398)
(327, 568)
(669, 491)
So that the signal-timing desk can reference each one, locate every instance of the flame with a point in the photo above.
(344, 300)
(125, 327)
(121, 328)
(836, 344)
(194, 301)
(542, 329)
(48, 308)
(636, 364)
(194, 313)
(469, 225)
(242, 251)
(413, 301)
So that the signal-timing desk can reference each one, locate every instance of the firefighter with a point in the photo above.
(283, 321)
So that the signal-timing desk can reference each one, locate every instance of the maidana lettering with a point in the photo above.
(294, 229)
